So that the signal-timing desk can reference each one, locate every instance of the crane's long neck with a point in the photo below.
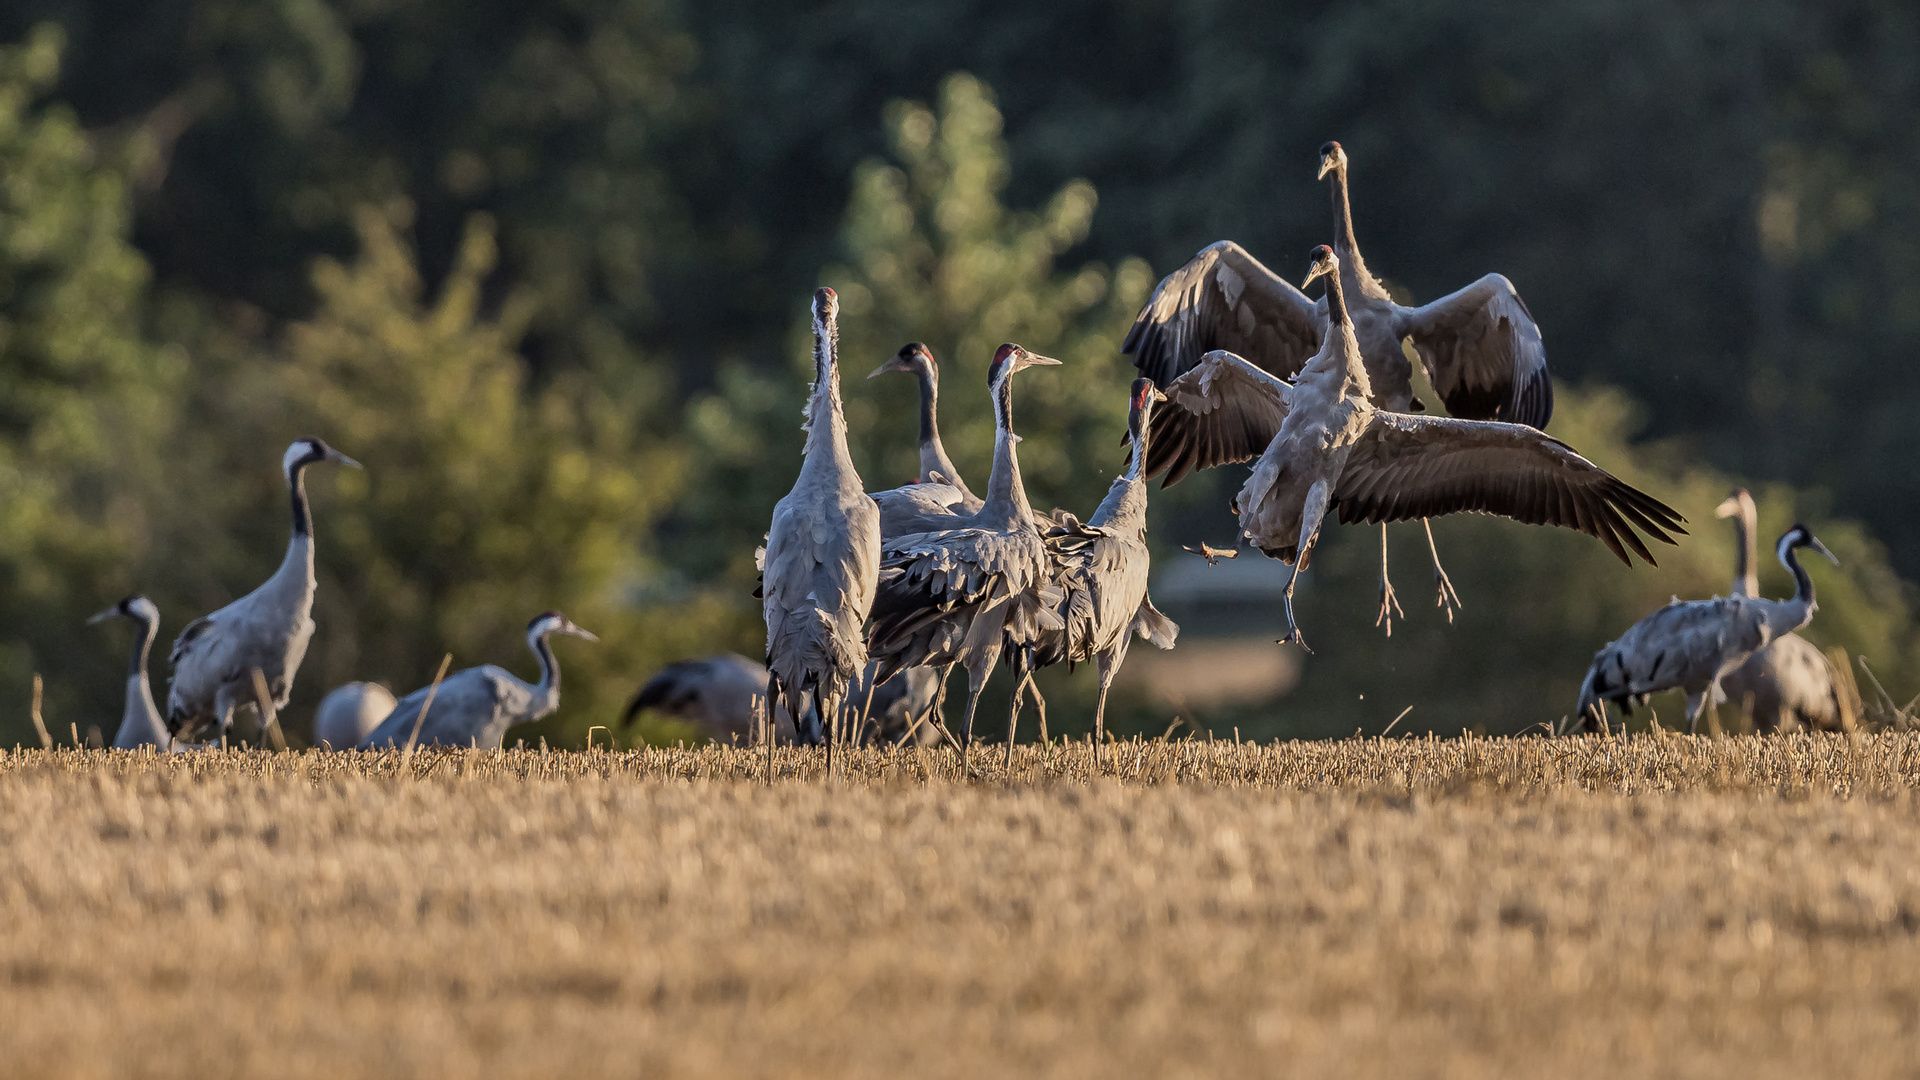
(1126, 503)
(298, 563)
(1793, 613)
(1746, 573)
(1340, 338)
(1006, 505)
(142, 646)
(1353, 269)
(826, 424)
(933, 455)
(140, 722)
(546, 692)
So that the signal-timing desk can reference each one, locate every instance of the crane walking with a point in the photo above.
(822, 557)
(140, 723)
(476, 706)
(1788, 681)
(1693, 644)
(1327, 448)
(266, 630)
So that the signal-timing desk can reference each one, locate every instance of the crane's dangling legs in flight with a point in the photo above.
(1449, 600)
(1389, 603)
(1311, 513)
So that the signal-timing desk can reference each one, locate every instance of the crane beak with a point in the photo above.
(1326, 166)
(1028, 360)
(579, 633)
(1814, 543)
(1317, 271)
(335, 455)
(1727, 509)
(892, 364)
(104, 615)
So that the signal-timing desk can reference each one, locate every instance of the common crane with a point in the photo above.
(1101, 567)
(822, 556)
(1327, 448)
(961, 595)
(1480, 346)
(266, 630)
(349, 713)
(723, 695)
(1789, 681)
(1693, 644)
(140, 723)
(476, 706)
(936, 467)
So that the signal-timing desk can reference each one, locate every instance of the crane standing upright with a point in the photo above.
(140, 723)
(266, 630)
(822, 558)
(1788, 681)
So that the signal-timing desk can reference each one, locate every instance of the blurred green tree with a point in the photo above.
(82, 395)
(488, 496)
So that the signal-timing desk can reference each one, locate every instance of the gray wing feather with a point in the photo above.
(1482, 353)
(1408, 466)
(1223, 298)
(1223, 411)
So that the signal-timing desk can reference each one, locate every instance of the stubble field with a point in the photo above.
(1598, 907)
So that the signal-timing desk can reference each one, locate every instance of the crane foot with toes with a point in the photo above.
(1389, 607)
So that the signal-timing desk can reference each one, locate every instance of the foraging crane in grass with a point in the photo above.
(822, 557)
(349, 713)
(964, 594)
(266, 630)
(1788, 681)
(475, 707)
(1693, 644)
(1101, 568)
(1480, 346)
(1327, 448)
(140, 723)
(723, 694)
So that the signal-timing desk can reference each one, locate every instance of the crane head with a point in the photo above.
(1332, 157)
(133, 607)
(311, 451)
(826, 304)
(911, 357)
(1802, 537)
(1736, 505)
(1140, 407)
(1010, 358)
(1324, 262)
(552, 622)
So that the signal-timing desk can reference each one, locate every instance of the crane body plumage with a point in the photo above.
(1692, 645)
(266, 630)
(1101, 569)
(822, 558)
(475, 707)
(349, 713)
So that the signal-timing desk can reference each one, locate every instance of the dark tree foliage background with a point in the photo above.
(541, 266)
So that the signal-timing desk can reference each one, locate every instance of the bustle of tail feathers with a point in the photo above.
(1155, 627)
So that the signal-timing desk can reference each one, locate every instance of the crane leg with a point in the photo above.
(1389, 603)
(977, 672)
(226, 723)
(1697, 709)
(1449, 600)
(1022, 665)
(1310, 515)
(1107, 668)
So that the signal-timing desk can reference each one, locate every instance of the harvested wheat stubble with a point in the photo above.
(1594, 907)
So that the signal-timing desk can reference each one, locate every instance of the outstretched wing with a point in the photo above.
(1408, 466)
(1482, 353)
(1223, 411)
(1223, 299)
